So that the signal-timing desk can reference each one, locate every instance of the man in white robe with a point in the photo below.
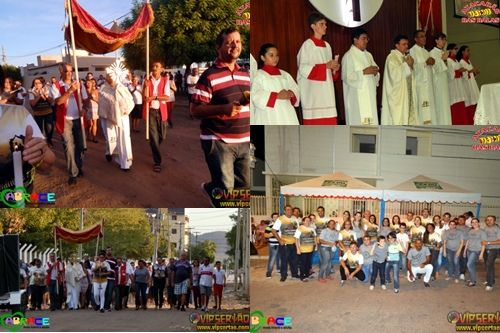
(398, 91)
(115, 104)
(440, 80)
(360, 76)
(316, 73)
(423, 77)
(73, 274)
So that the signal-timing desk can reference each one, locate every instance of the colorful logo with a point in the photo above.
(18, 196)
(238, 321)
(14, 322)
(453, 317)
(480, 12)
(228, 198)
(244, 13)
(487, 138)
(258, 321)
(475, 321)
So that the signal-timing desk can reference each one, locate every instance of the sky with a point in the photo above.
(31, 26)
(205, 220)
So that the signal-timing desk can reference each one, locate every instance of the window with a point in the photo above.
(174, 231)
(418, 143)
(411, 145)
(364, 143)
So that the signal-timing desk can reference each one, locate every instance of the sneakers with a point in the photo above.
(485, 283)
(342, 283)
(304, 280)
(489, 288)
(447, 278)
(456, 280)
(283, 279)
(462, 277)
(426, 284)
(384, 287)
(269, 277)
(372, 287)
(471, 284)
(396, 291)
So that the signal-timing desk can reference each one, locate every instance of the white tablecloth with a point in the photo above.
(488, 106)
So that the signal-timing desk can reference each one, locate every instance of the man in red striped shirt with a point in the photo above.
(220, 100)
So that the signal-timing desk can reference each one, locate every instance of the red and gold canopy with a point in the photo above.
(81, 236)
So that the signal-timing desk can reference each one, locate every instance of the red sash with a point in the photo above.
(48, 276)
(123, 274)
(161, 92)
(61, 110)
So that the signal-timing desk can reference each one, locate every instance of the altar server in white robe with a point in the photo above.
(440, 80)
(456, 87)
(274, 92)
(115, 105)
(423, 77)
(316, 73)
(470, 84)
(360, 76)
(398, 91)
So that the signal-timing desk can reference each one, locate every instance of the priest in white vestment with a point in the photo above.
(440, 80)
(316, 73)
(360, 76)
(470, 84)
(115, 105)
(423, 77)
(399, 99)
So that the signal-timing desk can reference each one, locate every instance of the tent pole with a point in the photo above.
(478, 209)
(147, 71)
(96, 246)
(77, 76)
(382, 212)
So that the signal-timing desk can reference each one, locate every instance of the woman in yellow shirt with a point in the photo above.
(305, 240)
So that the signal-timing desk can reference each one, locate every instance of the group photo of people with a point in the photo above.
(414, 247)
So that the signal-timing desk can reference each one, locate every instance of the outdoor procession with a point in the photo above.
(91, 269)
(157, 95)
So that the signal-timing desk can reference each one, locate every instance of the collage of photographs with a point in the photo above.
(164, 170)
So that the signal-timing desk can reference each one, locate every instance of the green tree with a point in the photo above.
(184, 31)
(12, 71)
(205, 249)
(231, 240)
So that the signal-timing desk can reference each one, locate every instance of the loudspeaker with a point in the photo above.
(9, 263)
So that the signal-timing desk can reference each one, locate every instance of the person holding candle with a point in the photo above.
(18, 130)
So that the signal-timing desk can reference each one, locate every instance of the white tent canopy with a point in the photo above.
(335, 185)
(425, 189)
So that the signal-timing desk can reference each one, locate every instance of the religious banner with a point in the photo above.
(428, 186)
(81, 236)
(335, 183)
(429, 18)
(93, 37)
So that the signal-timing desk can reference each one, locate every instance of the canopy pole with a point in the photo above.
(77, 76)
(382, 213)
(147, 71)
(282, 204)
(96, 246)
(478, 209)
(57, 266)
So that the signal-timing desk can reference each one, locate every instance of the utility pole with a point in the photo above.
(169, 249)
(4, 56)
(80, 246)
(237, 251)
(196, 237)
(189, 241)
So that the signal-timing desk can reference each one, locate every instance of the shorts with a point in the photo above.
(181, 288)
(218, 289)
(205, 290)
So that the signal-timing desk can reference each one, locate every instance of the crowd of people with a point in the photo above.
(106, 283)
(219, 97)
(415, 246)
(419, 87)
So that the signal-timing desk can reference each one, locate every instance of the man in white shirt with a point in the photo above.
(399, 97)
(219, 284)
(423, 76)
(360, 76)
(404, 240)
(68, 122)
(206, 280)
(191, 81)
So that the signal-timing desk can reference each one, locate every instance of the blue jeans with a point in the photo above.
(434, 261)
(273, 255)
(394, 265)
(378, 268)
(54, 298)
(110, 287)
(367, 270)
(462, 262)
(288, 256)
(453, 267)
(402, 263)
(325, 254)
(73, 146)
(140, 294)
(491, 255)
(472, 257)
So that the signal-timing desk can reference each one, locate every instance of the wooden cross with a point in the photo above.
(356, 10)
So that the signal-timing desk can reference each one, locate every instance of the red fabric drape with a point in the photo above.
(79, 237)
(430, 22)
(90, 35)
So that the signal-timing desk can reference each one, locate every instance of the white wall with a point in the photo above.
(293, 151)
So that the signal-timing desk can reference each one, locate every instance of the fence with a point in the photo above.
(27, 252)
